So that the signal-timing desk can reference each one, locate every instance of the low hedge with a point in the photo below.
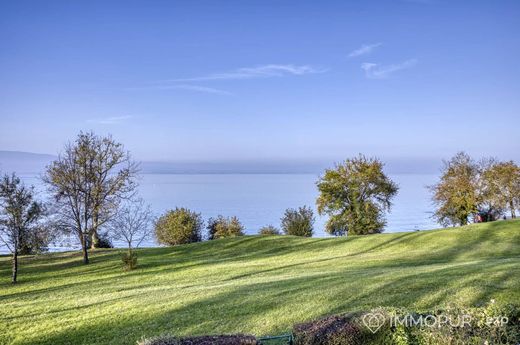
(449, 326)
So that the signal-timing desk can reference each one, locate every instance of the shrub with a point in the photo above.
(37, 240)
(269, 230)
(298, 222)
(329, 330)
(483, 327)
(104, 241)
(129, 260)
(221, 227)
(202, 340)
(179, 226)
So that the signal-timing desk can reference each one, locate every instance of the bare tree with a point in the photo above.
(115, 180)
(132, 224)
(19, 216)
(89, 181)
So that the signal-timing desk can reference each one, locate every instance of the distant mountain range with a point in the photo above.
(35, 163)
(24, 162)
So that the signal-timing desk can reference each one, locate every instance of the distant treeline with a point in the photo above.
(93, 189)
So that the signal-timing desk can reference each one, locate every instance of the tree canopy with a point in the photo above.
(88, 182)
(501, 182)
(19, 216)
(355, 195)
(457, 195)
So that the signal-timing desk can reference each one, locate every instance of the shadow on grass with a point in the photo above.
(242, 308)
(320, 277)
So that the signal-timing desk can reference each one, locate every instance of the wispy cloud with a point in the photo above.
(167, 85)
(195, 88)
(364, 49)
(265, 71)
(110, 120)
(378, 71)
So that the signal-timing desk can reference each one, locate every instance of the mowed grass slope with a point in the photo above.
(257, 285)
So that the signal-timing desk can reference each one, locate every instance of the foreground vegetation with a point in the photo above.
(253, 284)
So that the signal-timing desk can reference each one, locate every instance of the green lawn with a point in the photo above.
(257, 285)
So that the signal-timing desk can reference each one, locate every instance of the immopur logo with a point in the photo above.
(374, 321)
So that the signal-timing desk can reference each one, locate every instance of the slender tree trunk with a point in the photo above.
(464, 221)
(84, 248)
(15, 266)
(130, 263)
(512, 207)
(94, 240)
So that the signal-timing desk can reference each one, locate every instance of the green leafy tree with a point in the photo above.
(221, 227)
(20, 214)
(501, 182)
(457, 195)
(88, 181)
(179, 226)
(298, 222)
(355, 195)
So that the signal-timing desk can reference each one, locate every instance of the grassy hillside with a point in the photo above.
(258, 285)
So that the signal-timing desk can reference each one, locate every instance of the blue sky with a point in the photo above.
(263, 80)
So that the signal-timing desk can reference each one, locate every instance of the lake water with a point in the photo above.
(260, 199)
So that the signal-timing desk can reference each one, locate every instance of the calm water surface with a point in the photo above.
(260, 199)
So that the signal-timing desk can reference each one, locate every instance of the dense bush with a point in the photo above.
(37, 240)
(329, 330)
(483, 327)
(269, 230)
(103, 241)
(203, 340)
(179, 226)
(221, 227)
(298, 222)
(129, 260)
